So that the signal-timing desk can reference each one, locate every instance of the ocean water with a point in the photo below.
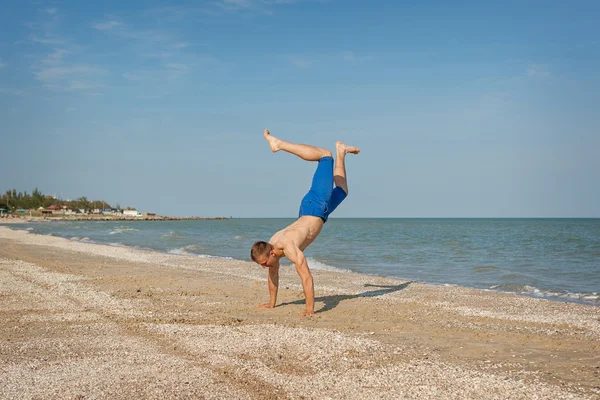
(558, 259)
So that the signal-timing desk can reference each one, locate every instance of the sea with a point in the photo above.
(556, 259)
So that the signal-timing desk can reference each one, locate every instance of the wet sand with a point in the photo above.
(87, 321)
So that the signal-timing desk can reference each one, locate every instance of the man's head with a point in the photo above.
(262, 253)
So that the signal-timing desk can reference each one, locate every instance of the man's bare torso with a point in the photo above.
(302, 233)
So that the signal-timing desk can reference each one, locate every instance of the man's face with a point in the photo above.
(266, 261)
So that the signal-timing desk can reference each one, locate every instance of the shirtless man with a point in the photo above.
(315, 208)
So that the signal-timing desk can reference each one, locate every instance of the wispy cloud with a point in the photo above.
(352, 57)
(235, 4)
(70, 73)
(170, 14)
(83, 85)
(44, 31)
(2, 64)
(55, 58)
(46, 40)
(176, 70)
(538, 70)
(137, 76)
(107, 25)
(56, 73)
(61, 65)
(127, 31)
(300, 62)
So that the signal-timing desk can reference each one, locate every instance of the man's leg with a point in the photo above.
(340, 191)
(339, 172)
(304, 151)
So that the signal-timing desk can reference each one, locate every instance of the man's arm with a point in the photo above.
(296, 256)
(273, 286)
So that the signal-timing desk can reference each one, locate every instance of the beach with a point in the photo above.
(81, 320)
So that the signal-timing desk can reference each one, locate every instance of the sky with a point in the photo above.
(460, 109)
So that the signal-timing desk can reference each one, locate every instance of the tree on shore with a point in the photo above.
(13, 200)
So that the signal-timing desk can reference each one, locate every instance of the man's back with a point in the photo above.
(302, 233)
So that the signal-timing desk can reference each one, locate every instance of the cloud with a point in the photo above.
(2, 64)
(138, 76)
(235, 4)
(56, 57)
(538, 70)
(176, 70)
(149, 36)
(46, 40)
(172, 14)
(83, 85)
(56, 73)
(300, 62)
(69, 77)
(61, 64)
(107, 26)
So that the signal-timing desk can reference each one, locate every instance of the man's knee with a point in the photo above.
(326, 153)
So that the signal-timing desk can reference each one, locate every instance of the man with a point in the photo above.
(315, 208)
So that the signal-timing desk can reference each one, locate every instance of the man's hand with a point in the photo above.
(266, 305)
(308, 314)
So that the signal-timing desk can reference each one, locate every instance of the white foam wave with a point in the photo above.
(182, 251)
(314, 264)
(81, 239)
(592, 297)
(172, 235)
(117, 231)
(189, 251)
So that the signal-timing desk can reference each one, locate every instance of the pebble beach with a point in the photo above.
(89, 321)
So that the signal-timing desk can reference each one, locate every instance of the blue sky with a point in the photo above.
(461, 109)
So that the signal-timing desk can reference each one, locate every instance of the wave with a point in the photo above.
(314, 264)
(122, 229)
(83, 239)
(189, 251)
(172, 235)
(528, 290)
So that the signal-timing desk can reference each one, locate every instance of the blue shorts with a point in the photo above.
(322, 198)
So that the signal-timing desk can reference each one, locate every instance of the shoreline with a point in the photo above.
(105, 321)
(535, 293)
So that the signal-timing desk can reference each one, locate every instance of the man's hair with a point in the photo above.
(259, 249)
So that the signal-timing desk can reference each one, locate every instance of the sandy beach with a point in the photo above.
(86, 321)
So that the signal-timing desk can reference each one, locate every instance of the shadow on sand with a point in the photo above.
(332, 302)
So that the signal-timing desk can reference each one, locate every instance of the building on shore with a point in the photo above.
(132, 213)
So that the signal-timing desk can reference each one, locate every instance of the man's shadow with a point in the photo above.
(332, 302)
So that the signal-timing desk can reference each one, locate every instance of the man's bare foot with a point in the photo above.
(342, 149)
(273, 141)
(308, 314)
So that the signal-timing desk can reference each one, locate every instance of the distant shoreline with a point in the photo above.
(106, 218)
